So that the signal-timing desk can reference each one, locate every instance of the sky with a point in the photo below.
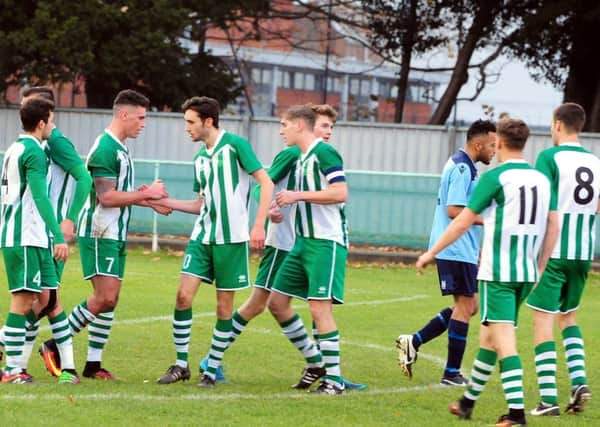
(515, 93)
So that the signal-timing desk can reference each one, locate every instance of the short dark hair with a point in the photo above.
(513, 132)
(42, 91)
(480, 127)
(572, 115)
(205, 107)
(325, 110)
(302, 112)
(131, 97)
(33, 111)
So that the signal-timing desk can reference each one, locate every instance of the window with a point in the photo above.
(298, 80)
(330, 87)
(337, 84)
(261, 76)
(284, 79)
(365, 88)
(255, 75)
(319, 82)
(266, 76)
(385, 88)
(309, 81)
(354, 86)
(374, 87)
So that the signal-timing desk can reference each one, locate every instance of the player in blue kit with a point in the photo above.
(457, 264)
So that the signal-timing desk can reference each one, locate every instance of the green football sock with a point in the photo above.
(483, 366)
(98, 333)
(295, 331)
(220, 342)
(545, 368)
(575, 354)
(182, 330)
(511, 374)
(330, 349)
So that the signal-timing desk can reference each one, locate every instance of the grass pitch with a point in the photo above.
(381, 302)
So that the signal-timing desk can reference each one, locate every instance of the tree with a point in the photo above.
(113, 45)
(35, 44)
(560, 46)
(403, 28)
(484, 25)
(471, 28)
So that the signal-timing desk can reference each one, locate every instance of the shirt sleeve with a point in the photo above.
(459, 182)
(283, 163)
(83, 185)
(103, 164)
(35, 173)
(546, 165)
(484, 193)
(331, 165)
(62, 151)
(246, 156)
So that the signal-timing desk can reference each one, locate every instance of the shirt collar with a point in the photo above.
(310, 148)
(217, 142)
(113, 136)
(28, 136)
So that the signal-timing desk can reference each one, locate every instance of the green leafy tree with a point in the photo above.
(478, 31)
(403, 29)
(138, 44)
(560, 45)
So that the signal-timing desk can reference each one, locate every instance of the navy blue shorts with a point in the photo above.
(457, 277)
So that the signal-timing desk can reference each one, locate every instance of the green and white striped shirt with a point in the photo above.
(222, 178)
(63, 158)
(22, 224)
(282, 172)
(108, 158)
(316, 170)
(574, 174)
(514, 200)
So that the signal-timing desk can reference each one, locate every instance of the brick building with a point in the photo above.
(292, 62)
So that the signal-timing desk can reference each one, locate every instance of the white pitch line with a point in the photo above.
(385, 301)
(151, 319)
(209, 397)
(430, 357)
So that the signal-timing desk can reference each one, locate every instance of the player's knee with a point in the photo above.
(224, 310)
(109, 301)
(256, 308)
(275, 306)
(183, 300)
(316, 313)
(566, 320)
(474, 308)
(464, 308)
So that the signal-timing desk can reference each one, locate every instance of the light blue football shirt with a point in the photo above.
(459, 178)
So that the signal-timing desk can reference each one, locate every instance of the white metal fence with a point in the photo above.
(392, 169)
(364, 146)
